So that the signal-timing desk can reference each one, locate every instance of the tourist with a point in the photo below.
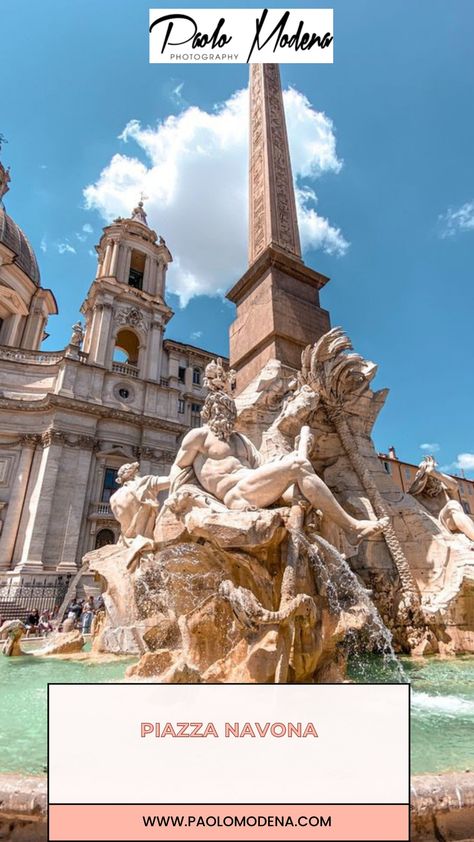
(31, 622)
(74, 612)
(87, 615)
(45, 625)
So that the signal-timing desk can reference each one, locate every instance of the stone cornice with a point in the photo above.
(54, 436)
(191, 350)
(27, 440)
(126, 296)
(286, 263)
(154, 454)
(52, 402)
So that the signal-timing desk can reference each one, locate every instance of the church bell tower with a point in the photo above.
(125, 308)
(277, 299)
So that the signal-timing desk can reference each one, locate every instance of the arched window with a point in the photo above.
(126, 347)
(197, 376)
(104, 537)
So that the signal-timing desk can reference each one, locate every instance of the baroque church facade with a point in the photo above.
(119, 392)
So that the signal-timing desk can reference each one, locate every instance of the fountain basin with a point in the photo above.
(442, 727)
(442, 807)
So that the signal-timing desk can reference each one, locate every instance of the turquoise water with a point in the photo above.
(442, 710)
(23, 701)
(442, 707)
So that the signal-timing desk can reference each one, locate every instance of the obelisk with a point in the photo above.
(277, 298)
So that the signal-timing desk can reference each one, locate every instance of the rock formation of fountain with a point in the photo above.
(243, 574)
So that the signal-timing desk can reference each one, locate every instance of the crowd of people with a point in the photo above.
(79, 615)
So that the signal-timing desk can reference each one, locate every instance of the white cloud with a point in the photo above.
(454, 221)
(465, 461)
(196, 334)
(44, 244)
(430, 447)
(176, 94)
(65, 248)
(196, 182)
(86, 230)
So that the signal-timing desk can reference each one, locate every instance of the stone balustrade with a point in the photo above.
(125, 368)
(22, 355)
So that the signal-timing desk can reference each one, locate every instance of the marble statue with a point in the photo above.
(226, 464)
(135, 503)
(218, 584)
(77, 336)
(432, 484)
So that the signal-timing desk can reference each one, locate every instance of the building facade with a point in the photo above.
(119, 392)
(403, 474)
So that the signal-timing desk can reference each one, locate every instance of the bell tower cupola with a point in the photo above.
(125, 309)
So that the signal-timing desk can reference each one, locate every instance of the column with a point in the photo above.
(33, 332)
(41, 502)
(160, 279)
(146, 275)
(114, 260)
(127, 262)
(100, 265)
(15, 504)
(12, 329)
(121, 262)
(164, 269)
(75, 508)
(153, 276)
(153, 366)
(100, 345)
(188, 377)
(107, 258)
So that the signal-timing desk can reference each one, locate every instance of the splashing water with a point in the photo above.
(453, 706)
(343, 590)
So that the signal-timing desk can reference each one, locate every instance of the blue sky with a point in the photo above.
(399, 190)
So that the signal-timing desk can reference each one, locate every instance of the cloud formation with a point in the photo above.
(465, 461)
(195, 178)
(454, 221)
(430, 447)
(84, 233)
(65, 248)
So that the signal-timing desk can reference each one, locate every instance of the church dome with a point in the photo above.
(13, 238)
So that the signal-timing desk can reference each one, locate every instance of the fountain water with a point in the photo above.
(344, 591)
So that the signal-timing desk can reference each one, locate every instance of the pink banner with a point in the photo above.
(124, 823)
